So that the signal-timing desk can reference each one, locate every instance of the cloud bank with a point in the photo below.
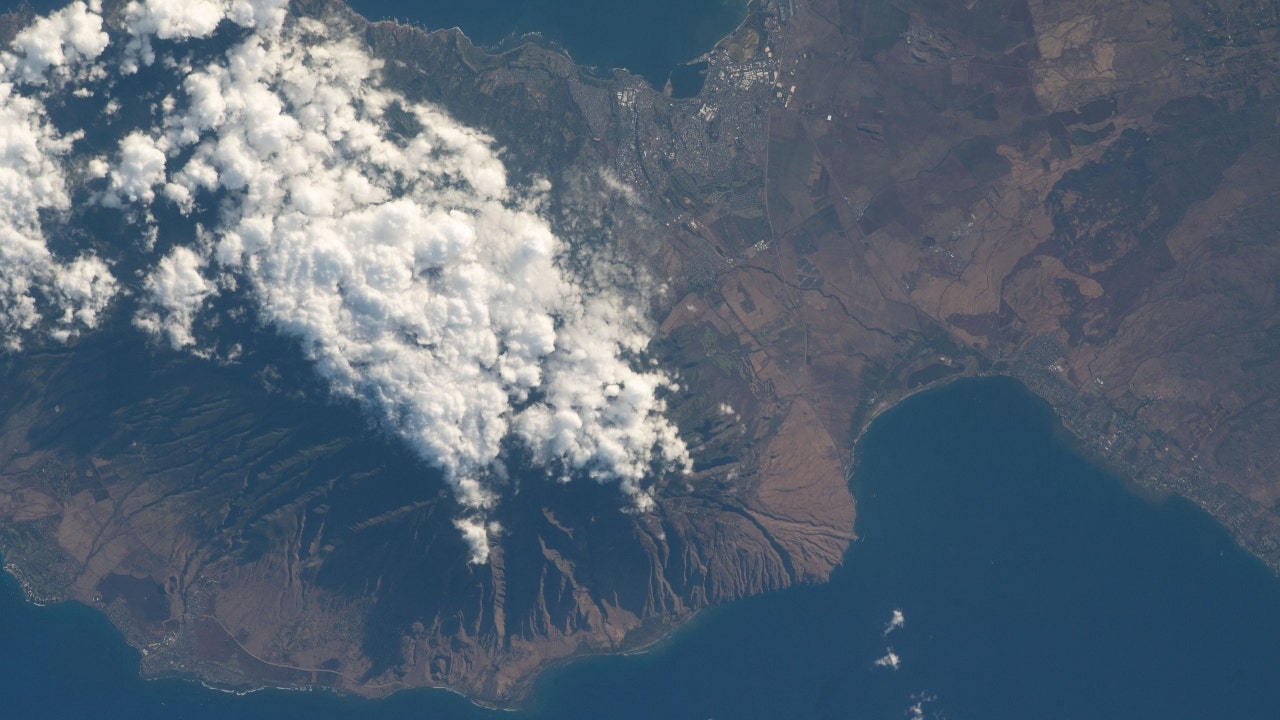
(415, 277)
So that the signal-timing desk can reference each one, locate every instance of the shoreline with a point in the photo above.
(515, 42)
(857, 654)
(890, 400)
(526, 697)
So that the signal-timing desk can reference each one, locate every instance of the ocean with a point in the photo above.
(1027, 584)
(654, 39)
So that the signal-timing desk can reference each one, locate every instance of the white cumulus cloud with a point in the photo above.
(190, 19)
(175, 292)
(896, 621)
(71, 35)
(415, 277)
(40, 292)
(420, 282)
(890, 660)
(140, 170)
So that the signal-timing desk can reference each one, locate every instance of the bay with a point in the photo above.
(655, 40)
(652, 39)
(1030, 584)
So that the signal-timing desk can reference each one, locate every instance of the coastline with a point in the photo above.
(1086, 446)
(854, 619)
(517, 41)
(670, 626)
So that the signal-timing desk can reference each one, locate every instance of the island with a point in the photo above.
(865, 200)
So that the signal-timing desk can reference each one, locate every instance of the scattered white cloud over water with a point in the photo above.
(419, 281)
(890, 660)
(896, 621)
(924, 704)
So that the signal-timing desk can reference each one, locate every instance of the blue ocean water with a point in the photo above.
(652, 39)
(1030, 585)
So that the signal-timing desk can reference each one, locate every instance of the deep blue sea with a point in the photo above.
(1030, 584)
(652, 39)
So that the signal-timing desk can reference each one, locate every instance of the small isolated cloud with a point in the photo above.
(924, 704)
(896, 621)
(890, 660)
